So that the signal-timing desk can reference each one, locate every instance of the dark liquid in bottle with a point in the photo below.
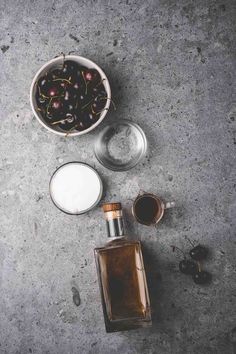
(147, 209)
(123, 281)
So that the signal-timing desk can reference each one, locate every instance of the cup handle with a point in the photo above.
(169, 205)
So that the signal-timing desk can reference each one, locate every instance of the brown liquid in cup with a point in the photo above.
(147, 209)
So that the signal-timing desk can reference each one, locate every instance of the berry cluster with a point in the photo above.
(71, 97)
(193, 266)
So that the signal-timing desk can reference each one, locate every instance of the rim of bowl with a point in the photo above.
(135, 162)
(75, 58)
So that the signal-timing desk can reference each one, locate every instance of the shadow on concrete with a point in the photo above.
(154, 280)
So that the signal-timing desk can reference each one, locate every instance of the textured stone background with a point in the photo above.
(171, 65)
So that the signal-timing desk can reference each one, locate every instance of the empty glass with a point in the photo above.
(120, 145)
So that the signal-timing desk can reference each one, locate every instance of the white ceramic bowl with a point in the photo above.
(54, 63)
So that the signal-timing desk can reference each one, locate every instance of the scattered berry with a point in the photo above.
(198, 253)
(201, 277)
(193, 267)
(187, 267)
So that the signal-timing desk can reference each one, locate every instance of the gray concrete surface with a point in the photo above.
(171, 65)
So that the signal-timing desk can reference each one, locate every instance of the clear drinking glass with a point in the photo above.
(120, 145)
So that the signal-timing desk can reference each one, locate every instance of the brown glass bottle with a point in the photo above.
(122, 277)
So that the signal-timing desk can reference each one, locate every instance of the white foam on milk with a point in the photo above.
(75, 188)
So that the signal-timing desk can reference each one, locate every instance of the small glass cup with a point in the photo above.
(120, 145)
(148, 209)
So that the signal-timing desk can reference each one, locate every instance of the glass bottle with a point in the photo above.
(121, 276)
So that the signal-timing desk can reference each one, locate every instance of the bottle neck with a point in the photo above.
(115, 224)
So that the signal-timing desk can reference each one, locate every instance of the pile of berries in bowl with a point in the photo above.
(70, 95)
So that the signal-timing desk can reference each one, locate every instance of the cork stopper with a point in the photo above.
(111, 207)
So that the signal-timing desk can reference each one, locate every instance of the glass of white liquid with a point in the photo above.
(75, 188)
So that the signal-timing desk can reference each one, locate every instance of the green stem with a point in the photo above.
(69, 131)
(41, 94)
(87, 104)
(49, 104)
(59, 121)
(59, 79)
(107, 98)
(86, 89)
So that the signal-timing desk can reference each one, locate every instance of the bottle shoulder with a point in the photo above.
(118, 244)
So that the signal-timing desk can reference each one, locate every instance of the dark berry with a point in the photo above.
(64, 84)
(70, 94)
(77, 85)
(57, 104)
(88, 75)
(56, 74)
(44, 81)
(98, 105)
(70, 68)
(80, 126)
(44, 84)
(82, 99)
(198, 253)
(102, 93)
(70, 107)
(202, 277)
(53, 91)
(88, 118)
(94, 91)
(91, 75)
(98, 93)
(187, 267)
(92, 117)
